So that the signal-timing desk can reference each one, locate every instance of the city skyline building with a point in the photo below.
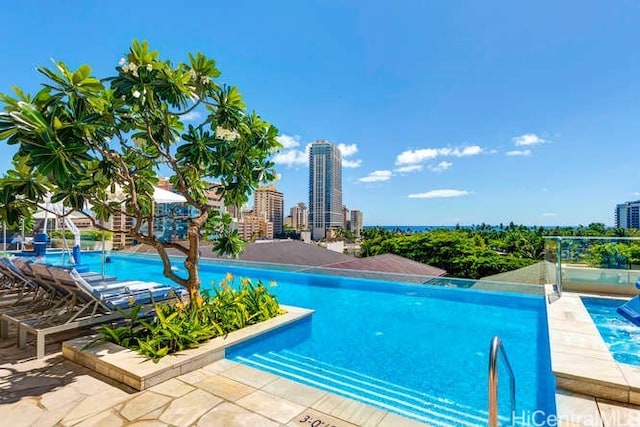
(346, 218)
(252, 227)
(299, 217)
(268, 201)
(325, 188)
(628, 215)
(356, 222)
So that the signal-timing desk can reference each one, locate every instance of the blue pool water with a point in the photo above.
(621, 336)
(417, 350)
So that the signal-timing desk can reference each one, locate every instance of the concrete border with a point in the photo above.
(580, 359)
(140, 373)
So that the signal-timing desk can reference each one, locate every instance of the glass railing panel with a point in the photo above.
(534, 275)
(595, 264)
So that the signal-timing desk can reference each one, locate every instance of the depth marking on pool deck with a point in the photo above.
(580, 359)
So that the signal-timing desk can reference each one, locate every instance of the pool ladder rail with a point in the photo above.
(495, 350)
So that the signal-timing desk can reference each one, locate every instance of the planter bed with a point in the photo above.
(128, 367)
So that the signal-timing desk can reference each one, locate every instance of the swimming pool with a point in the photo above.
(621, 336)
(420, 351)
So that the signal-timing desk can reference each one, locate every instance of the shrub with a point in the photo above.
(608, 255)
(88, 235)
(180, 326)
(95, 235)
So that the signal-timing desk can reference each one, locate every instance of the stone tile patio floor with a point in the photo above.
(57, 392)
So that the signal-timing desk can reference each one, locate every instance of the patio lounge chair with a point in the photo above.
(25, 295)
(32, 269)
(91, 306)
(8, 284)
(631, 309)
(19, 289)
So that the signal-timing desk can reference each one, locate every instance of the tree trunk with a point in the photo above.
(193, 257)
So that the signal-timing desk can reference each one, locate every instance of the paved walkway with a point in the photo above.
(575, 410)
(57, 392)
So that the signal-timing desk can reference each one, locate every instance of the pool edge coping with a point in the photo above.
(136, 371)
(580, 359)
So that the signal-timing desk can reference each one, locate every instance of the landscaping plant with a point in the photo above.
(180, 326)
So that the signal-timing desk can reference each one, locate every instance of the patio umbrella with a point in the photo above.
(163, 196)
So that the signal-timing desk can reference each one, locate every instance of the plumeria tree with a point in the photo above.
(97, 145)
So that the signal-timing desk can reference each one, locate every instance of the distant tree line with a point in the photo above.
(484, 250)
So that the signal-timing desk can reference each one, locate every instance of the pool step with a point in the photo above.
(410, 403)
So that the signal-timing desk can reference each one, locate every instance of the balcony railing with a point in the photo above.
(594, 264)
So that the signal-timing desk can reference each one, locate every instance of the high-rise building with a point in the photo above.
(346, 219)
(251, 227)
(270, 202)
(356, 222)
(628, 215)
(325, 188)
(300, 217)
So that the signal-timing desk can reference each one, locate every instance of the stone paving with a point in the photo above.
(575, 410)
(57, 392)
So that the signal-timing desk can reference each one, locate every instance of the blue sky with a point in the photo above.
(446, 111)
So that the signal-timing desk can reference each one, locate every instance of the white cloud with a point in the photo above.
(347, 150)
(410, 157)
(293, 157)
(416, 156)
(527, 139)
(437, 194)
(471, 150)
(525, 153)
(636, 194)
(289, 155)
(549, 214)
(407, 169)
(351, 163)
(191, 116)
(440, 167)
(288, 141)
(376, 176)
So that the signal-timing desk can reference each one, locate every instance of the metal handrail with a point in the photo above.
(495, 348)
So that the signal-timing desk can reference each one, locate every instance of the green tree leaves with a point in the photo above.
(177, 327)
(82, 137)
(462, 253)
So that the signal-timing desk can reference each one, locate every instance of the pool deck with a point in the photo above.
(587, 376)
(55, 391)
(593, 390)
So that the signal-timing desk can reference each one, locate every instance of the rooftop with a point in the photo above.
(389, 263)
(296, 252)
